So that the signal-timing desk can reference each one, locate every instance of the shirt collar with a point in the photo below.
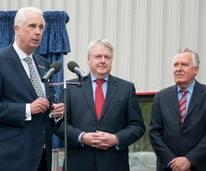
(93, 78)
(20, 53)
(189, 88)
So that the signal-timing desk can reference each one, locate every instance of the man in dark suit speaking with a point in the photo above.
(25, 127)
(103, 120)
(178, 118)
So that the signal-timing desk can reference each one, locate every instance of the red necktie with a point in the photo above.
(99, 98)
(182, 105)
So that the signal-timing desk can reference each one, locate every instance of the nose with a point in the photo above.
(103, 59)
(178, 67)
(38, 30)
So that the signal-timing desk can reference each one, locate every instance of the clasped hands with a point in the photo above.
(99, 139)
(180, 164)
(41, 105)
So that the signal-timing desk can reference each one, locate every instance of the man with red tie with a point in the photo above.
(104, 117)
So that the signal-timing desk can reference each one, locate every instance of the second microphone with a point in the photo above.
(74, 67)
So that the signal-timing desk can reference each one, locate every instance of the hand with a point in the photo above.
(40, 105)
(180, 164)
(58, 110)
(99, 140)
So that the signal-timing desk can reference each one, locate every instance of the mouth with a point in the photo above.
(36, 41)
(179, 74)
(101, 66)
(179, 77)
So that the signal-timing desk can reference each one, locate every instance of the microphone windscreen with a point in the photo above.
(71, 65)
(56, 65)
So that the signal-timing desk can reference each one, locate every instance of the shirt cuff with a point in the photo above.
(28, 113)
(80, 138)
(168, 165)
(117, 145)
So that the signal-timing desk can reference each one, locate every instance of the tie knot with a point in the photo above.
(99, 81)
(183, 91)
(28, 60)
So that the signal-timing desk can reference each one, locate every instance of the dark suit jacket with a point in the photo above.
(121, 116)
(21, 142)
(169, 139)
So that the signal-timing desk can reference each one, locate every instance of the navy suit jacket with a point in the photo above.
(21, 142)
(121, 116)
(169, 138)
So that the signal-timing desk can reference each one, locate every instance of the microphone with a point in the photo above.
(53, 69)
(74, 67)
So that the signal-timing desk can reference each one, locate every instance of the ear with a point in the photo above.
(196, 70)
(88, 59)
(16, 29)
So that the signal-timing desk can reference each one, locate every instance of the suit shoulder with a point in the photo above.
(121, 81)
(6, 48)
(201, 87)
(166, 90)
(42, 58)
(4, 52)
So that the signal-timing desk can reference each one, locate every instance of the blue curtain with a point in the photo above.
(6, 27)
(55, 42)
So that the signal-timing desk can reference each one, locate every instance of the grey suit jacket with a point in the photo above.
(169, 138)
(121, 115)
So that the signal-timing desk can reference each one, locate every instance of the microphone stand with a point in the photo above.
(65, 89)
(65, 125)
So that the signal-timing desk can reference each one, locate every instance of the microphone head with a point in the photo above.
(56, 65)
(71, 65)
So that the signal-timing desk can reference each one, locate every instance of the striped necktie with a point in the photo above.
(182, 105)
(34, 77)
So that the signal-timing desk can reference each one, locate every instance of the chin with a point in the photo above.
(179, 81)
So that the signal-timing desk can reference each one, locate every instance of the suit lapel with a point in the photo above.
(174, 99)
(196, 95)
(40, 65)
(111, 89)
(88, 94)
(16, 63)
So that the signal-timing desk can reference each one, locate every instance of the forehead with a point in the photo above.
(183, 57)
(34, 18)
(101, 49)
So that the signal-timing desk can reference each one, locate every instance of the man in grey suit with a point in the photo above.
(178, 127)
(101, 144)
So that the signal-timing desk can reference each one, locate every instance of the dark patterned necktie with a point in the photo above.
(182, 105)
(34, 77)
(99, 98)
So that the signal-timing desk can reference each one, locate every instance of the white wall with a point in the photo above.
(145, 33)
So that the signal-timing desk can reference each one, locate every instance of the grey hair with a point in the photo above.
(195, 56)
(103, 42)
(20, 17)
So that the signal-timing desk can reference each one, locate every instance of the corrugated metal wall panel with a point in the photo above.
(145, 33)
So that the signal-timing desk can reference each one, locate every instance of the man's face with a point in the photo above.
(29, 35)
(100, 61)
(184, 70)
